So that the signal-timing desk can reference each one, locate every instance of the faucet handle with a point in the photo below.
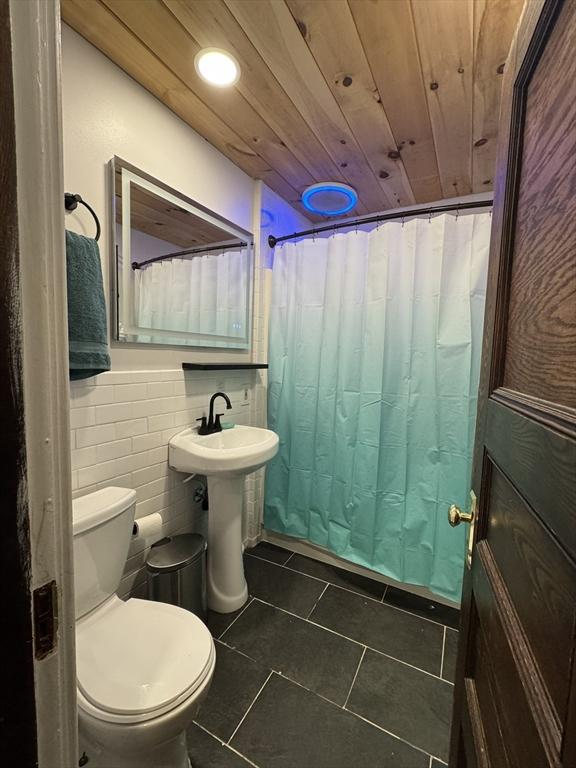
(202, 429)
(217, 425)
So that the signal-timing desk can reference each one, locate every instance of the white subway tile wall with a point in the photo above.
(121, 423)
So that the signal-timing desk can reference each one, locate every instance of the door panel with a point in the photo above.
(523, 712)
(539, 578)
(515, 690)
(519, 444)
(541, 337)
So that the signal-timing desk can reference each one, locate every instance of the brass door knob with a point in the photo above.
(456, 516)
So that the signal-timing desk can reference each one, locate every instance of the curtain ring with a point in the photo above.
(429, 217)
(457, 213)
(402, 222)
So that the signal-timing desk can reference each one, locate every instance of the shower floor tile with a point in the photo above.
(286, 589)
(409, 703)
(319, 660)
(338, 576)
(322, 669)
(290, 727)
(397, 633)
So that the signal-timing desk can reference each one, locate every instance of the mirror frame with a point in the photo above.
(119, 307)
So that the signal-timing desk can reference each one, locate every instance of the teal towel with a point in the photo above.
(87, 328)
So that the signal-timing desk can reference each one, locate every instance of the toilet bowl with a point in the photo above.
(143, 668)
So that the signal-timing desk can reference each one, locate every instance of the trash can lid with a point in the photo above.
(175, 552)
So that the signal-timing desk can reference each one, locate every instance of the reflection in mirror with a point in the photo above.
(183, 273)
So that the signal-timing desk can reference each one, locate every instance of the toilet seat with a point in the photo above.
(138, 659)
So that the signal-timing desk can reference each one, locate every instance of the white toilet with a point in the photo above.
(143, 668)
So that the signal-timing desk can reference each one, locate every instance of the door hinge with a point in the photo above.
(45, 610)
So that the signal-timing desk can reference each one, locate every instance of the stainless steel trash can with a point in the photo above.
(177, 572)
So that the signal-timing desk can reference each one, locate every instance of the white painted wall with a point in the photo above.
(106, 113)
(122, 421)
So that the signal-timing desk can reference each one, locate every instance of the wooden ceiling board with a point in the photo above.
(387, 33)
(273, 31)
(98, 25)
(160, 31)
(333, 39)
(399, 98)
(494, 25)
(212, 24)
(444, 37)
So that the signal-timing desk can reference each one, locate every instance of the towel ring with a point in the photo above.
(71, 203)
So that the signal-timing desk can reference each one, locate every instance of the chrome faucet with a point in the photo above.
(213, 424)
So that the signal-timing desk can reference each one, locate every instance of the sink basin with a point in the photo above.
(236, 451)
(225, 458)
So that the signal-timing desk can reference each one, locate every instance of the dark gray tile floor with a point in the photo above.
(320, 670)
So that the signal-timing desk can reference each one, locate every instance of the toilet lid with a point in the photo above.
(138, 656)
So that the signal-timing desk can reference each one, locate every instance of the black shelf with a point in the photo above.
(222, 366)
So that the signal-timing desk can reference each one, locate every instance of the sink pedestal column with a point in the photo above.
(227, 588)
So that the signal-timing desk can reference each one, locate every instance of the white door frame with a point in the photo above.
(35, 28)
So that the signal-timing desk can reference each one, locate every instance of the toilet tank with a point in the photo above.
(102, 524)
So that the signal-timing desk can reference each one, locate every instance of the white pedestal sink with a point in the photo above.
(225, 458)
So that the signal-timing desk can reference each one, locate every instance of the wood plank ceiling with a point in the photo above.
(398, 98)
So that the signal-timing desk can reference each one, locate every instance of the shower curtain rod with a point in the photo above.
(272, 241)
(187, 252)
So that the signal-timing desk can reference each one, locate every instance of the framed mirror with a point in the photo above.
(183, 274)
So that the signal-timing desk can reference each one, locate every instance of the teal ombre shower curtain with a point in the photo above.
(375, 342)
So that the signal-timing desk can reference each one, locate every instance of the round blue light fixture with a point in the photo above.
(329, 198)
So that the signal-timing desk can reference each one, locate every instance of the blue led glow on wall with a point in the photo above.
(341, 197)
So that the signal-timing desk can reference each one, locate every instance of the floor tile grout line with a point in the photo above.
(317, 601)
(320, 696)
(443, 652)
(339, 586)
(235, 619)
(390, 733)
(354, 714)
(332, 584)
(245, 715)
(362, 594)
(359, 594)
(224, 744)
(355, 676)
(243, 756)
(352, 640)
(290, 558)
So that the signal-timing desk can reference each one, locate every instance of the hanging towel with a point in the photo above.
(87, 328)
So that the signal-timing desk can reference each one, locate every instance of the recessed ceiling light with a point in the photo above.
(217, 67)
